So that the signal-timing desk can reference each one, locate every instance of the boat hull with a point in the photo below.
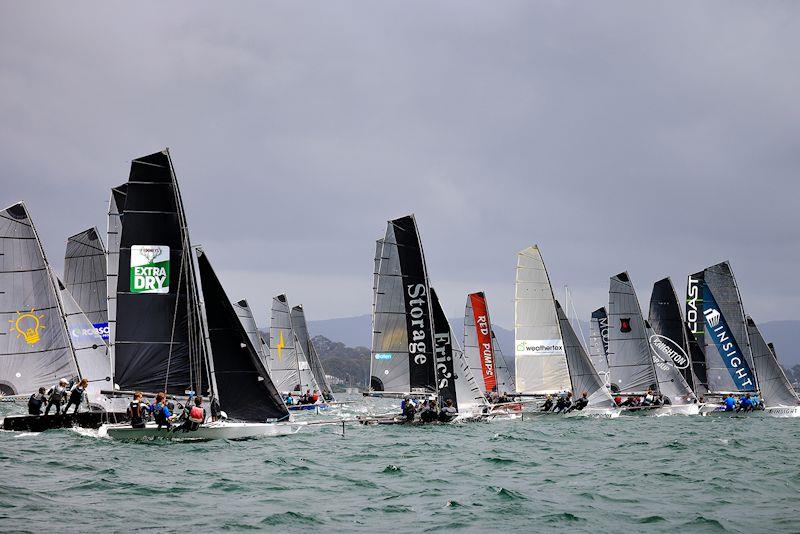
(40, 423)
(219, 430)
(782, 411)
(661, 411)
(595, 413)
(303, 407)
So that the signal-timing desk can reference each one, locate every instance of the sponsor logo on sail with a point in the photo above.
(666, 352)
(418, 302)
(625, 325)
(712, 317)
(539, 347)
(483, 332)
(96, 330)
(383, 356)
(692, 298)
(149, 269)
(444, 358)
(281, 345)
(27, 326)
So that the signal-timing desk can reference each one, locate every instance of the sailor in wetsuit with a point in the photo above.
(195, 417)
(547, 405)
(161, 413)
(57, 396)
(409, 410)
(580, 404)
(563, 403)
(138, 410)
(429, 413)
(37, 402)
(76, 395)
(448, 412)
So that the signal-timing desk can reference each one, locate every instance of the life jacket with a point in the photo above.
(35, 404)
(196, 415)
(137, 413)
(158, 414)
(76, 395)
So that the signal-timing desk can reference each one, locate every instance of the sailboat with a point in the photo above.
(175, 330)
(583, 375)
(636, 368)
(598, 342)
(671, 334)
(48, 336)
(482, 353)
(546, 340)
(779, 397)
(85, 276)
(540, 361)
(717, 321)
(300, 327)
(414, 351)
(289, 364)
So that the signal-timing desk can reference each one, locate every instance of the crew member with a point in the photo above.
(429, 413)
(730, 403)
(76, 395)
(745, 404)
(448, 412)
(547, 405)
(409, 410)
(137, 411)
(161, 413)
(195, 417)
(57, 396)
(563, 402)
(37, 402)
(581, 403)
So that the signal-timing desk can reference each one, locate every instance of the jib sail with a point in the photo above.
(300, 327)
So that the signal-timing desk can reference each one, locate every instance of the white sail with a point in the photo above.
(505, 378)
(245, 314)
(540, 362)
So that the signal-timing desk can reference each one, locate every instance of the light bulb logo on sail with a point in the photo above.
(149, 269)
(667, 352)
(27, 326)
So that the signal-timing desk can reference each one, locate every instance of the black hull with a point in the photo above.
(40, 423)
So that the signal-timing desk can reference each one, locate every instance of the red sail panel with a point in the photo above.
(483, 328)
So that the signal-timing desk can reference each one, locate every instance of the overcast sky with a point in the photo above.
(657, 138)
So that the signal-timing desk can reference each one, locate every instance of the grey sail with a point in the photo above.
(115, 206)
(583, 376)
(159, 343)
(245, 314)
(629, 359)
(284, 362)
(300, 327)
(469, 394)
(85, 276)
(598, 342)
(775, 387)
(671, 382)
(505, 377)
(540, 365)
(35, 349)
(91, 352)
(402, 356)
(717, 320)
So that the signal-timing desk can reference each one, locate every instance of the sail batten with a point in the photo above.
(85, 276)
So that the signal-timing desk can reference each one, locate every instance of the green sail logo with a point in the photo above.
(149, 269)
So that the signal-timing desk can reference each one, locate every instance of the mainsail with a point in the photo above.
(300, 327)
(598, 342)
(540, 362)
(35, 348)
(629, 358)
(505, 377)
(85, 276)
(716, 318)
(240, 379)
(583, 376)
(115, 206)
(158, 338)
(776, 390)
(402, 357)
(289, 365)
(444, 349)
(248, 321)
(666, 319)
(481, 349)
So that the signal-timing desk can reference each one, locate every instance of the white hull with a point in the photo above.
(217, 430)
(661, 411)
(595, 413)
(782, 411)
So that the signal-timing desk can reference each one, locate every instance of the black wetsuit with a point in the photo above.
(409, 412)
(35, 404)
(548, 405)
(428, 415)
(137, 411)
(562, 404)
(579, 405)
(75, 397)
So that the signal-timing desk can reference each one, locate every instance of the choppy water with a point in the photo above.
(629, 474)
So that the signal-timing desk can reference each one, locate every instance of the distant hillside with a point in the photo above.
(350, 364)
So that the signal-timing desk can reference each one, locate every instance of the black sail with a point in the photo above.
(443, 347)
(243, 386)
(666, 319)
(157, 335)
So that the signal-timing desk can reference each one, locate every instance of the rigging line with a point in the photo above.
(174, 320)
